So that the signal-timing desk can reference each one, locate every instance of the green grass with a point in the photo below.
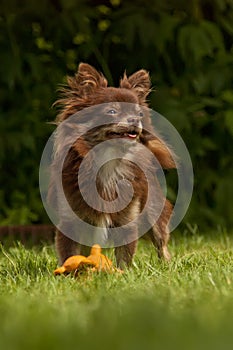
(187, 303)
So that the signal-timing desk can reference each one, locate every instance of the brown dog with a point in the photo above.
(125, 119)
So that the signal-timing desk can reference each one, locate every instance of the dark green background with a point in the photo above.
(186, 46)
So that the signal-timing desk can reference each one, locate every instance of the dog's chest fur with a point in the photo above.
(111, 177)
(116, 180)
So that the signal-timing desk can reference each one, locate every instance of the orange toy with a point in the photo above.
(96, 260)
(101, 261)
(73, 263)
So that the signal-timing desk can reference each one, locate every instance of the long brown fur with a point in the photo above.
(89, 88)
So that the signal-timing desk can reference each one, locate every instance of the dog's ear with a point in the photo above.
(139, 82)
(87, 79)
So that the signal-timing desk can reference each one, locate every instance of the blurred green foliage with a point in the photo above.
(186, 46)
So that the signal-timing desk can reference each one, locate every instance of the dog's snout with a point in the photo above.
(133, 121)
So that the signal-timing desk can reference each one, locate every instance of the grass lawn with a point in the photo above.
(186, 304)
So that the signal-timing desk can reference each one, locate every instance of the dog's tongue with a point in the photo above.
(132, 136)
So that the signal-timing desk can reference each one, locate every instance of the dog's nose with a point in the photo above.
(133, 121)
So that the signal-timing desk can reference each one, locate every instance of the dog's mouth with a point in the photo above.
(131, 134)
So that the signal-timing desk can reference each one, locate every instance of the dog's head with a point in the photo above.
(122, 111)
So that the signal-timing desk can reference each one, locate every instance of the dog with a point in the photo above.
(122, 124)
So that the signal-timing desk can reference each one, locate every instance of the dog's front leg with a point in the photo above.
(124, 254)
(65, 246)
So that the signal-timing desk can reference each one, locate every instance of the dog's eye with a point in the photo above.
(112, 111)
(141, 114)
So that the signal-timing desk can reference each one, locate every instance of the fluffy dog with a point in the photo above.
(121, 122)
